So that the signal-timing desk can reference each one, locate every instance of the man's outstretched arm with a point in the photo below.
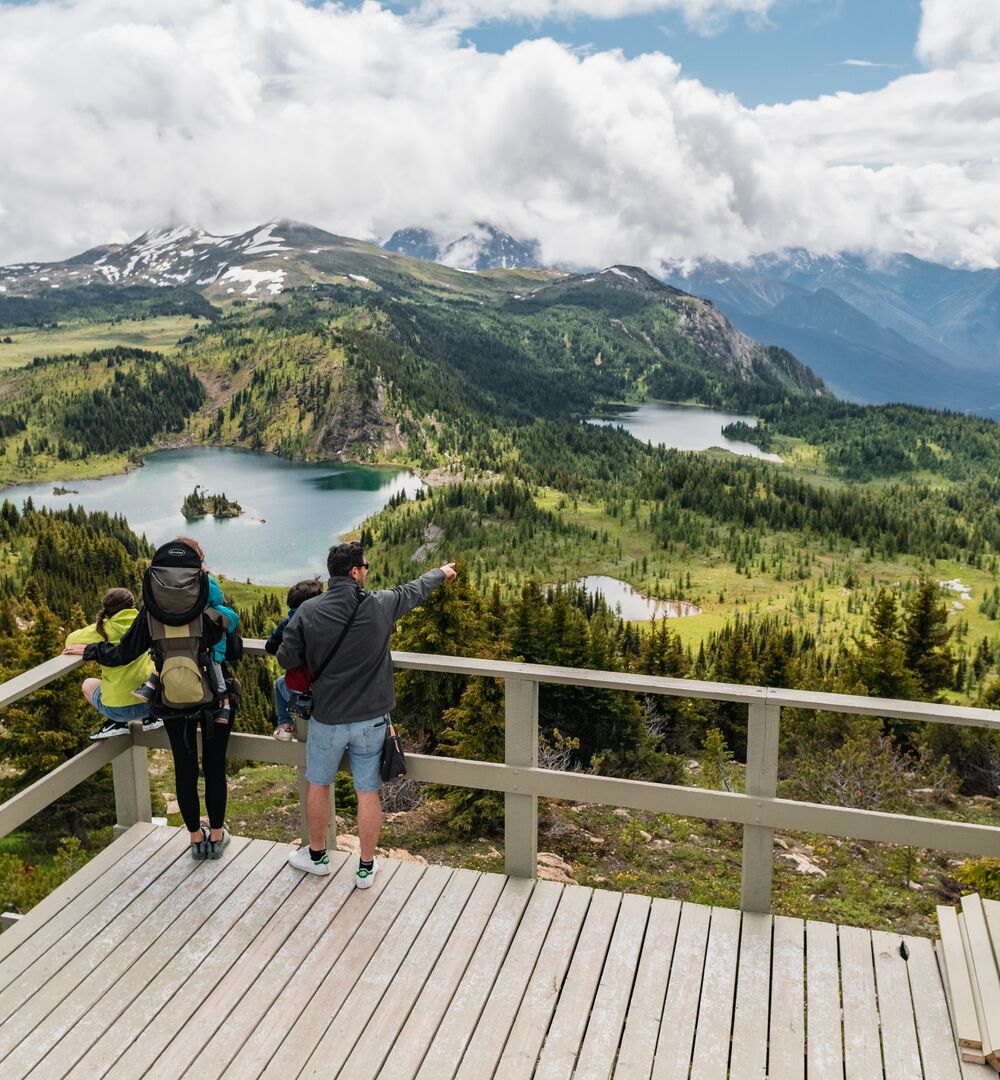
(403, 599)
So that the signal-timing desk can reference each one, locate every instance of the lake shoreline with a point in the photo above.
(437, 477)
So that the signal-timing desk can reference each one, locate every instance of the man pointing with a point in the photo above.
(342, 636)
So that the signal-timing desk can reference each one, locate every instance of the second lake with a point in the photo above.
(682, 427)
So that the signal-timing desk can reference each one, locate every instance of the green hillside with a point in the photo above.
(818, 573)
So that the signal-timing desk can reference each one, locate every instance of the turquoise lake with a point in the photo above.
(292, 511)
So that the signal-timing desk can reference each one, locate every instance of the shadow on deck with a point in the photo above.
(148, 964)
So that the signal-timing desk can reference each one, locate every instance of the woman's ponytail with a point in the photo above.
(114, 600)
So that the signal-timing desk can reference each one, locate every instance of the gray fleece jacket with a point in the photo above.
(357, 683)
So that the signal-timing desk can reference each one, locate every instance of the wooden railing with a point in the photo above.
(757, 809)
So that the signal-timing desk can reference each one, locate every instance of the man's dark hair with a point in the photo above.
(304, 590)
(343, 556)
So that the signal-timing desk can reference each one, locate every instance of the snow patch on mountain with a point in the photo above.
(619, 272)
(274, 280)
(264, 240)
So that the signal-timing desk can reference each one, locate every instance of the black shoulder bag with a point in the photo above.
(393, 762)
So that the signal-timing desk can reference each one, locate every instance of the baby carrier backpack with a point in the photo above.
(184, 629)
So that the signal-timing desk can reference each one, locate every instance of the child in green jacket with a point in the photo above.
(111, 694)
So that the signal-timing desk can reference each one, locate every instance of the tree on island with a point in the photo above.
(200, 504)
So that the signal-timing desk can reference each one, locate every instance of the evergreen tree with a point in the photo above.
(926, 635)
(449, 623)
(474, 729)
(880, 660)
(46, 729)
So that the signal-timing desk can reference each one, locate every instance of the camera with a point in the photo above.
(302, 705)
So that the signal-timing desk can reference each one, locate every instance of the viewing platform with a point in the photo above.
(146, 963)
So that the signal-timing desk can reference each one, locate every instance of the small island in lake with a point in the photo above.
(57, 490)
(200, 504)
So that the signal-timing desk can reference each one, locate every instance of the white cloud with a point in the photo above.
(866, 64)
(702, 15)
(956, 30)
(123, 114)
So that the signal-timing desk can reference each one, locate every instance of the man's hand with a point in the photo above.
(74, 650)
(449, 572)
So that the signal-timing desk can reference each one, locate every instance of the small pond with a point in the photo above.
(632, 604)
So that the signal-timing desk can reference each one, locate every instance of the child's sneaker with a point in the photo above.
(284, 732)
(151, 723)
(110, 728)
(147, 691)
(224, 714)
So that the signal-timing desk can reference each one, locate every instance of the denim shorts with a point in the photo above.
(326, 743)
(120, 713)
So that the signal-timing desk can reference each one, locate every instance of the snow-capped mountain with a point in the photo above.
(485, 247)
(260, 262)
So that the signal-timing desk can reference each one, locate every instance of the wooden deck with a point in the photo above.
(147, 964)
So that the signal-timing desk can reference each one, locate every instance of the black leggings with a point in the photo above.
(181, 732)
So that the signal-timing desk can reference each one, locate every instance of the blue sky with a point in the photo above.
(797, 52)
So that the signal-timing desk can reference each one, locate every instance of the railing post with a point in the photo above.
(763, 724)
(302, 733)
(520, 827)
(130, 775)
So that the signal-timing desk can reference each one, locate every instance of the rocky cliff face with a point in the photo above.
(712, 332)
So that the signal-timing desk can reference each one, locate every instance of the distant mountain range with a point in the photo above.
(618, 332)
(876, 330)
(899, 329)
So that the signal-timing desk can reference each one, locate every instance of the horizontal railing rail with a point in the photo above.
(522, 782)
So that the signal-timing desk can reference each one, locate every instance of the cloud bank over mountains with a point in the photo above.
(121, 114)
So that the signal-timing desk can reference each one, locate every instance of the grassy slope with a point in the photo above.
(161, 333)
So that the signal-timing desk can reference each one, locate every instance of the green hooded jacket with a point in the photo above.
(117, 683)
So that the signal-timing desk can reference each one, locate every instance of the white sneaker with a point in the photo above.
(363, 878)
(151, 723)
(284, 733)
(302, 860)
(109, 729)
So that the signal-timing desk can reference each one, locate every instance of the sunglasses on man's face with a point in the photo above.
(363, 566)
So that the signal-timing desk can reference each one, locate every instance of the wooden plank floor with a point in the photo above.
(146, 964)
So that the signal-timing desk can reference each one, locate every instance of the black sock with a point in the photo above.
(316, 855)
(362, 865)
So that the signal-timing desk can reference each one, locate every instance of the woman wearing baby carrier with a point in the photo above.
(180, 628)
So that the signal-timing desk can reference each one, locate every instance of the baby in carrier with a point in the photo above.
(292, 690)
(217, 654)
